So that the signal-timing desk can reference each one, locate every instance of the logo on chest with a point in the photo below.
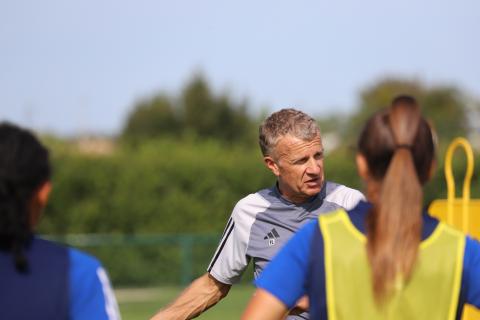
(272, 237)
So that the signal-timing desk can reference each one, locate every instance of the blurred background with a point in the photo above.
(151, 111)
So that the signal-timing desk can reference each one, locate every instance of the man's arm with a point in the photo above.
(228, 264)
(200, 295)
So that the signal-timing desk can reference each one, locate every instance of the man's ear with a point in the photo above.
(272, 165)
(362, 166)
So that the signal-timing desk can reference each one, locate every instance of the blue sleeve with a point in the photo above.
(91, 296)
(471, 271)
(285, 276)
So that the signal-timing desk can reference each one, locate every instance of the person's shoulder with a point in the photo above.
(472, 246)
(442, 226)
(91, 295)
(309, 228)
(48, 248)
(83, 262)
(472, 255)
(245, 212)
(471, 265)
(87, 275)
(334, 189)
(47, 244)
(254, 202)
(342, 195)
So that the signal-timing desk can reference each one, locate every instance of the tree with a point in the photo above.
(444, 106)
(152, 118)
(211, 116)
(197, 111)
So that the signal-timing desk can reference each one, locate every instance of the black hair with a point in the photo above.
(24, 167)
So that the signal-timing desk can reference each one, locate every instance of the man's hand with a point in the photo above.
(202, 293)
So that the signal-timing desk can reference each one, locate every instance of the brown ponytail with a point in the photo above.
(398, 146)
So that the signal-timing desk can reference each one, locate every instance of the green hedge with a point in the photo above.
(171, 187)
(161, 186)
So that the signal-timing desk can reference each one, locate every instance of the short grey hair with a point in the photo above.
(286, 122)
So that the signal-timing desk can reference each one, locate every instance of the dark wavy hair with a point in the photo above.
(24, 167)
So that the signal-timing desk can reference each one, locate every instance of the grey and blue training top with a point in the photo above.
(261, 223)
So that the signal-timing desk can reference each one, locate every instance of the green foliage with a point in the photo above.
(333, 123)
(340, 167)
(213, 117)
(444, 106)
(151, 118)
(192, 185)
(196, 112)
(192, 159)
(160, 186)
(171, 187)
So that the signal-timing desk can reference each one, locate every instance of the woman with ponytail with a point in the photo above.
(40, 279)
(385, 258)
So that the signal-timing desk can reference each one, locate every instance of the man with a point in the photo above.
(262, 223)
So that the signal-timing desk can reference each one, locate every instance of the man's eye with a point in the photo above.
(300, 161)
(319, 156)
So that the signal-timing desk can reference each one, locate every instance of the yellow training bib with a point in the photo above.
(431, 293)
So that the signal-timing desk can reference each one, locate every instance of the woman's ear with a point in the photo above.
(44, 193)
(39, 201)
(362, 166)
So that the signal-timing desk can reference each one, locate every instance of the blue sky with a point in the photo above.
(79, 66)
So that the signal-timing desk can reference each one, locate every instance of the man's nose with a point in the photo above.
(314, 167)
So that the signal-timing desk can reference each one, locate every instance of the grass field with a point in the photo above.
(140, 304)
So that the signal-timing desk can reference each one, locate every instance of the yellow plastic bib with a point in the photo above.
(431, 293)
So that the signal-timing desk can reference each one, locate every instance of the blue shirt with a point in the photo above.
(62, 283)
(288, 276)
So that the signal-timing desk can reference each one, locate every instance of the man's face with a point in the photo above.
(298, 165)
